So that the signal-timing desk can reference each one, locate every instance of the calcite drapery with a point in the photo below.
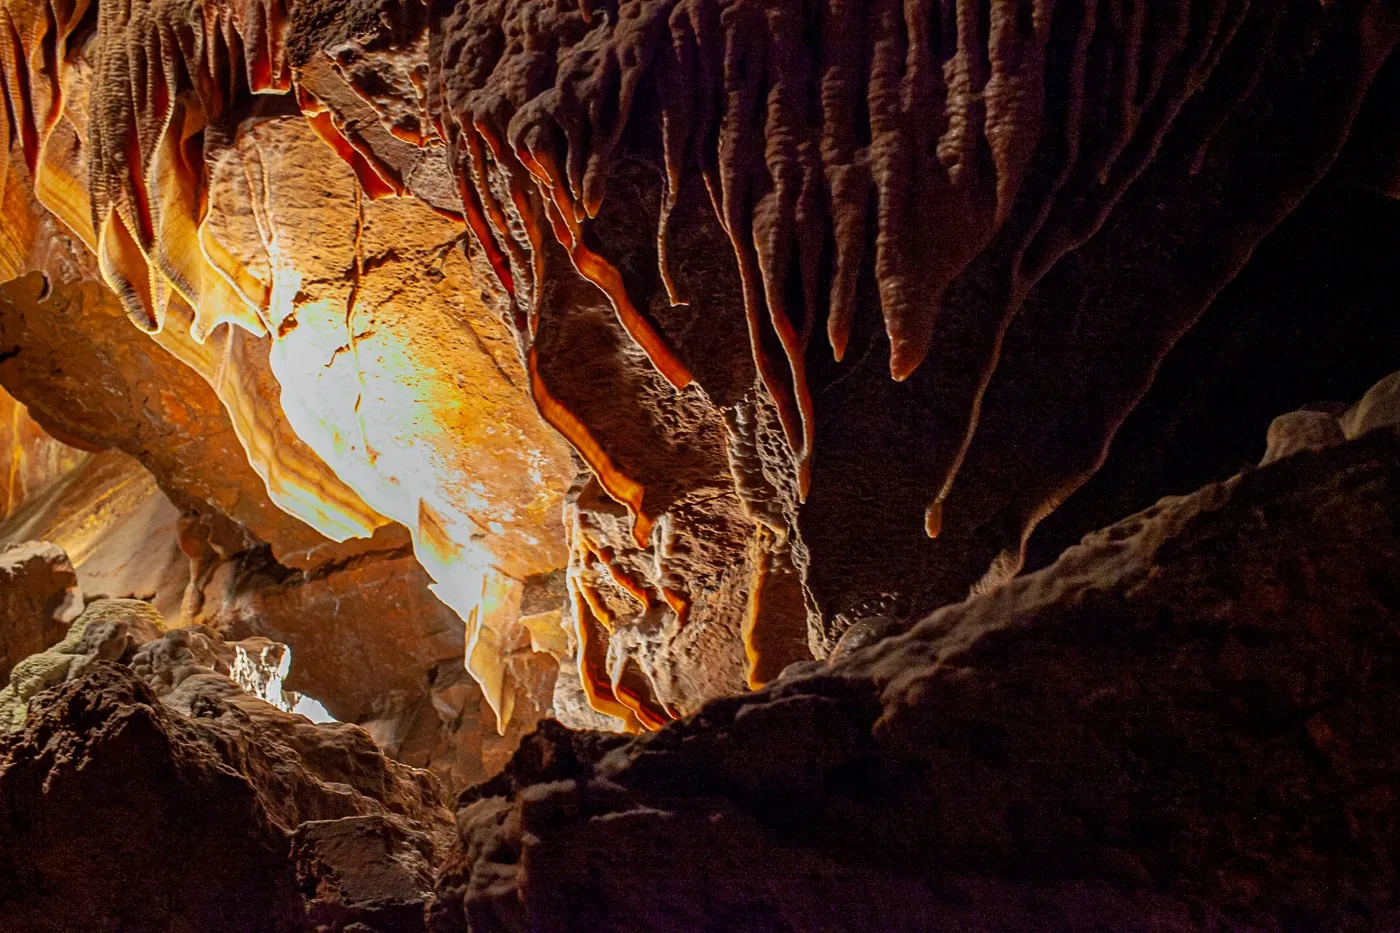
(989, 166)
(177, 239)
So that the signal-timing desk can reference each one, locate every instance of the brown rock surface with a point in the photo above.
(153, 794)
(237, 803)
(364, 873)
(1185, 723)
(120, 531)
(106, 630)
(39, 596)
(930, 191)
(85, 373)
(351, 608)
(374, 611)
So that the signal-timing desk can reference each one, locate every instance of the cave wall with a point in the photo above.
(758, 320)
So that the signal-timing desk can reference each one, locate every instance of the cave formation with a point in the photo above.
(763, 465)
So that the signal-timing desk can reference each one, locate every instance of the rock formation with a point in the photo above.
(262, 820)
(402, 258)
(39, 595)
(1185, 723)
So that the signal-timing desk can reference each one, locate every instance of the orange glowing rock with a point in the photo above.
(564, 220)
(775, 619)
(650, 717)
(596, 685)
(31, 459)
(604, 556)
(621, 487)
(375, 178)
(933, 519)
(497, 608)
(679, 604)
(400, 381)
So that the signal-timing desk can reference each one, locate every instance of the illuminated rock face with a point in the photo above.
(680, 366)
(392, 370)
(760, 320)
(33, 458)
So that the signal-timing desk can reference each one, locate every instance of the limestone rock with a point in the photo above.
(298, 823)
(364, 873)
(1313, 429)
(39, 596)
(1378, 408)
(831, 302)
(1187, 722)
(373, 609)
(79, 844)
(166, 662)
(107, 630)
(34, 458)
(118, 528)
(83, 372)
(311, 826)
(1301, 430)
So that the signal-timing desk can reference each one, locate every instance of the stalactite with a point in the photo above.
(164, 69)
(835, 138)
(377, 179)
(496, 607)
(617, 683)
(597, 687)
(620, 486)
(775, 610)
(927, 111)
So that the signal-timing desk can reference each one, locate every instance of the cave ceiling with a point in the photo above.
(729, 325)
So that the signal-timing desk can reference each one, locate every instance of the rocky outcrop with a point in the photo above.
(1318, 428)
(107, 630)
(342, 609)
(120, 531)
(80, 842)
(373, 609)
(39, 596)
(204, 809)
(1185, 723)
(84, 378)
(363, 873)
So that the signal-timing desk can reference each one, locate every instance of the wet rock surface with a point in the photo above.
(484, 368)
(803, 313)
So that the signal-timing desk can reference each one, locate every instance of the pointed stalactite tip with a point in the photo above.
(933, 519)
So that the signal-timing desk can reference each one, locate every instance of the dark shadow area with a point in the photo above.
(1312, 318)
